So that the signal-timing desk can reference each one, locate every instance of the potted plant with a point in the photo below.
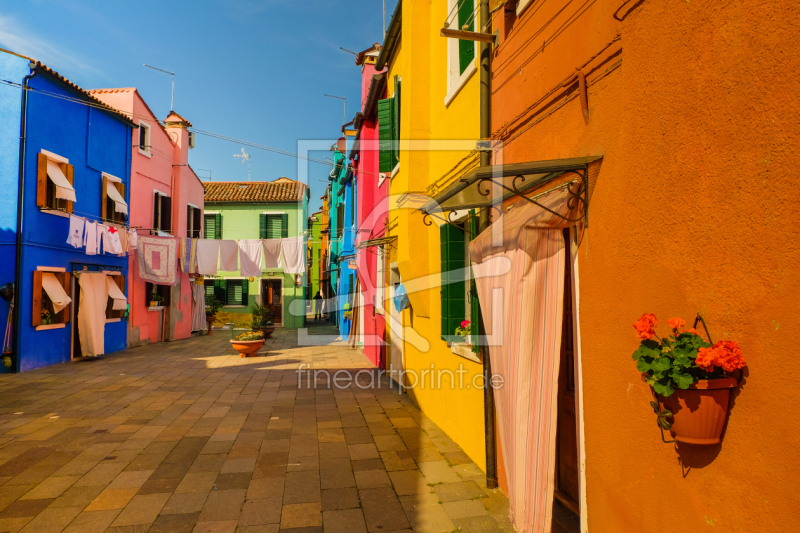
(213, 305)
(690, 378)
(262, 319)
(47, 318)
(464, 331)
(156, 299)
(348, 315)
(247, 343)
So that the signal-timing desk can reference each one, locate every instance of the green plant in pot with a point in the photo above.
(690, 378)
(262, 319)
(213, 304)
(156, 299)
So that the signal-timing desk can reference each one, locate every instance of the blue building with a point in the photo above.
(343, 253)
(62, 152)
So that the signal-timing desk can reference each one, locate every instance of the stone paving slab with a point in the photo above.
(189, 437)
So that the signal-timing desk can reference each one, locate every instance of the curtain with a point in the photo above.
(198, 306)
(521, 280)
(92, 313)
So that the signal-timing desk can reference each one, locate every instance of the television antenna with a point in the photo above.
(172, 97)
(245, 157)
(344, 114)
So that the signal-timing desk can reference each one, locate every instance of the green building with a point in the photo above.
(256, 210)
(314, 260)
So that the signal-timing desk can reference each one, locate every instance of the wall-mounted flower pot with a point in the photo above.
(699, 412)
(247, 348)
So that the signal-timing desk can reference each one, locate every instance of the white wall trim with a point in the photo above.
(55, 157)
(50, 326)
(455, 80)
(192, 205)
(210, 212)
(578, 381)
(273, 212)
(51, 269)
(111, 177)
(145, 152)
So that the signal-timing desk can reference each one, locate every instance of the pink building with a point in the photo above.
(372, 191)
(166, 197)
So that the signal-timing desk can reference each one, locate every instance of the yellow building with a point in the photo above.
(439, 124)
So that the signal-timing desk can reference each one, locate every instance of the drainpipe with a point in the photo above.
(483, 221)
(23, 131)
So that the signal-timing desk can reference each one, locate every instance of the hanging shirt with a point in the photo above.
(90, 238)
(207, 256)
(293, 255)
(75, 237)
(229, 256)
(111, 242)
(133, 239)
(272, 252)
(251, 256)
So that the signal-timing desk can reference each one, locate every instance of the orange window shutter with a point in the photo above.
(104, 200)
(70, 173)
(41, 182)
(36, 313)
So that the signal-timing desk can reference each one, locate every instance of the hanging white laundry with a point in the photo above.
(123, 239)
(64, 188)
(251, 255)
(272, 252)
(75, 237)
(207, 256)
(293, 255)
(111, 242)
(133, 239)
(55, 291)
(92, 313)
(120, 301)
(119, 202)
(228, 256)
(90, 238)
(102, 229)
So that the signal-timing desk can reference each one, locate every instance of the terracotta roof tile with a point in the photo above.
(280, 190)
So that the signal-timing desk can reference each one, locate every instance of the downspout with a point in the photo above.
(23, 132)
(483, 222)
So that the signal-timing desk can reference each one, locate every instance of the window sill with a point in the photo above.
(110, 320)
(234, 306)
(145, 153)
(155, 308)
(51, 211)
(465, 350)
(50, 326)
(454, 88)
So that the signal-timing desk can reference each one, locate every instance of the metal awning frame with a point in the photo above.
(375, 242)
(485, 178)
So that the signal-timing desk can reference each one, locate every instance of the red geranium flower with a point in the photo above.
(645, 326)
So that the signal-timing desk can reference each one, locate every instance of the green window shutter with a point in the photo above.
(218, 226)
(262, 226)
(396, 122)
(284, 225)
(466, 49)
(234, 292)
(245, 295)
(385, 135)
(273, 226)
(220, 290)
(209, 288)
(474, 304)
(209, 226)
(453, 283)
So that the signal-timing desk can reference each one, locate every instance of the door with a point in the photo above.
(273, 299)
(566, 435)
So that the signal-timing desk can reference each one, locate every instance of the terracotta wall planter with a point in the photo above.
(699, 412)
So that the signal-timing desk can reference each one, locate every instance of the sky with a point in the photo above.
(255, 70)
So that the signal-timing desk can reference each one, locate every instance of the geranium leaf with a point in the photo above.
(684, 380)
(646, 349)
(642, 365)
(660, 364)
(663, 388)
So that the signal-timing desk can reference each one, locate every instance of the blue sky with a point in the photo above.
(250, 69)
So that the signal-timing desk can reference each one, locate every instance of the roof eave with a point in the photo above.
(392, 34)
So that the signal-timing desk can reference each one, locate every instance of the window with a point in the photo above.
(273, 225)
(51, 298)
(389, 131)
(459, 297)
(379, 278)
(157, 293)
(144, 139)
(339, 220)
(236, 292)
(113, 207)
(193, 221)
(115, 295)
(55, 181)
(213, 226)
(461, 53)
(162, 212)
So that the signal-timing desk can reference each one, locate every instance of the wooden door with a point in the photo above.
(76, 302)
(272, 299)
(566, 436)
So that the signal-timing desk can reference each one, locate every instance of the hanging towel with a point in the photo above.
(111, 242)
(55, 291)
(293, 255)
(123, 239)
(92, 313)
(229, 256)
(120, 301)
(64, 189)
(251, 256)
(158, 257)
(90, 238)
(75, 237)
(191, 249)
(198, 307)
(272, 253)
(182, 254)
(207, 256)
(133, 239)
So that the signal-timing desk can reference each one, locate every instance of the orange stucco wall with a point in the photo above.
(694, 208)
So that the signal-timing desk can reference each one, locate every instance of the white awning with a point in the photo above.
(64, 188)
(55, 291)
(119, 202)
(120, 302)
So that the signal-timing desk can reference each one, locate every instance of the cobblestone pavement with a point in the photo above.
(188, 437)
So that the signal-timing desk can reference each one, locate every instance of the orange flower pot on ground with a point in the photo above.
(699, 412)
(247, 348)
